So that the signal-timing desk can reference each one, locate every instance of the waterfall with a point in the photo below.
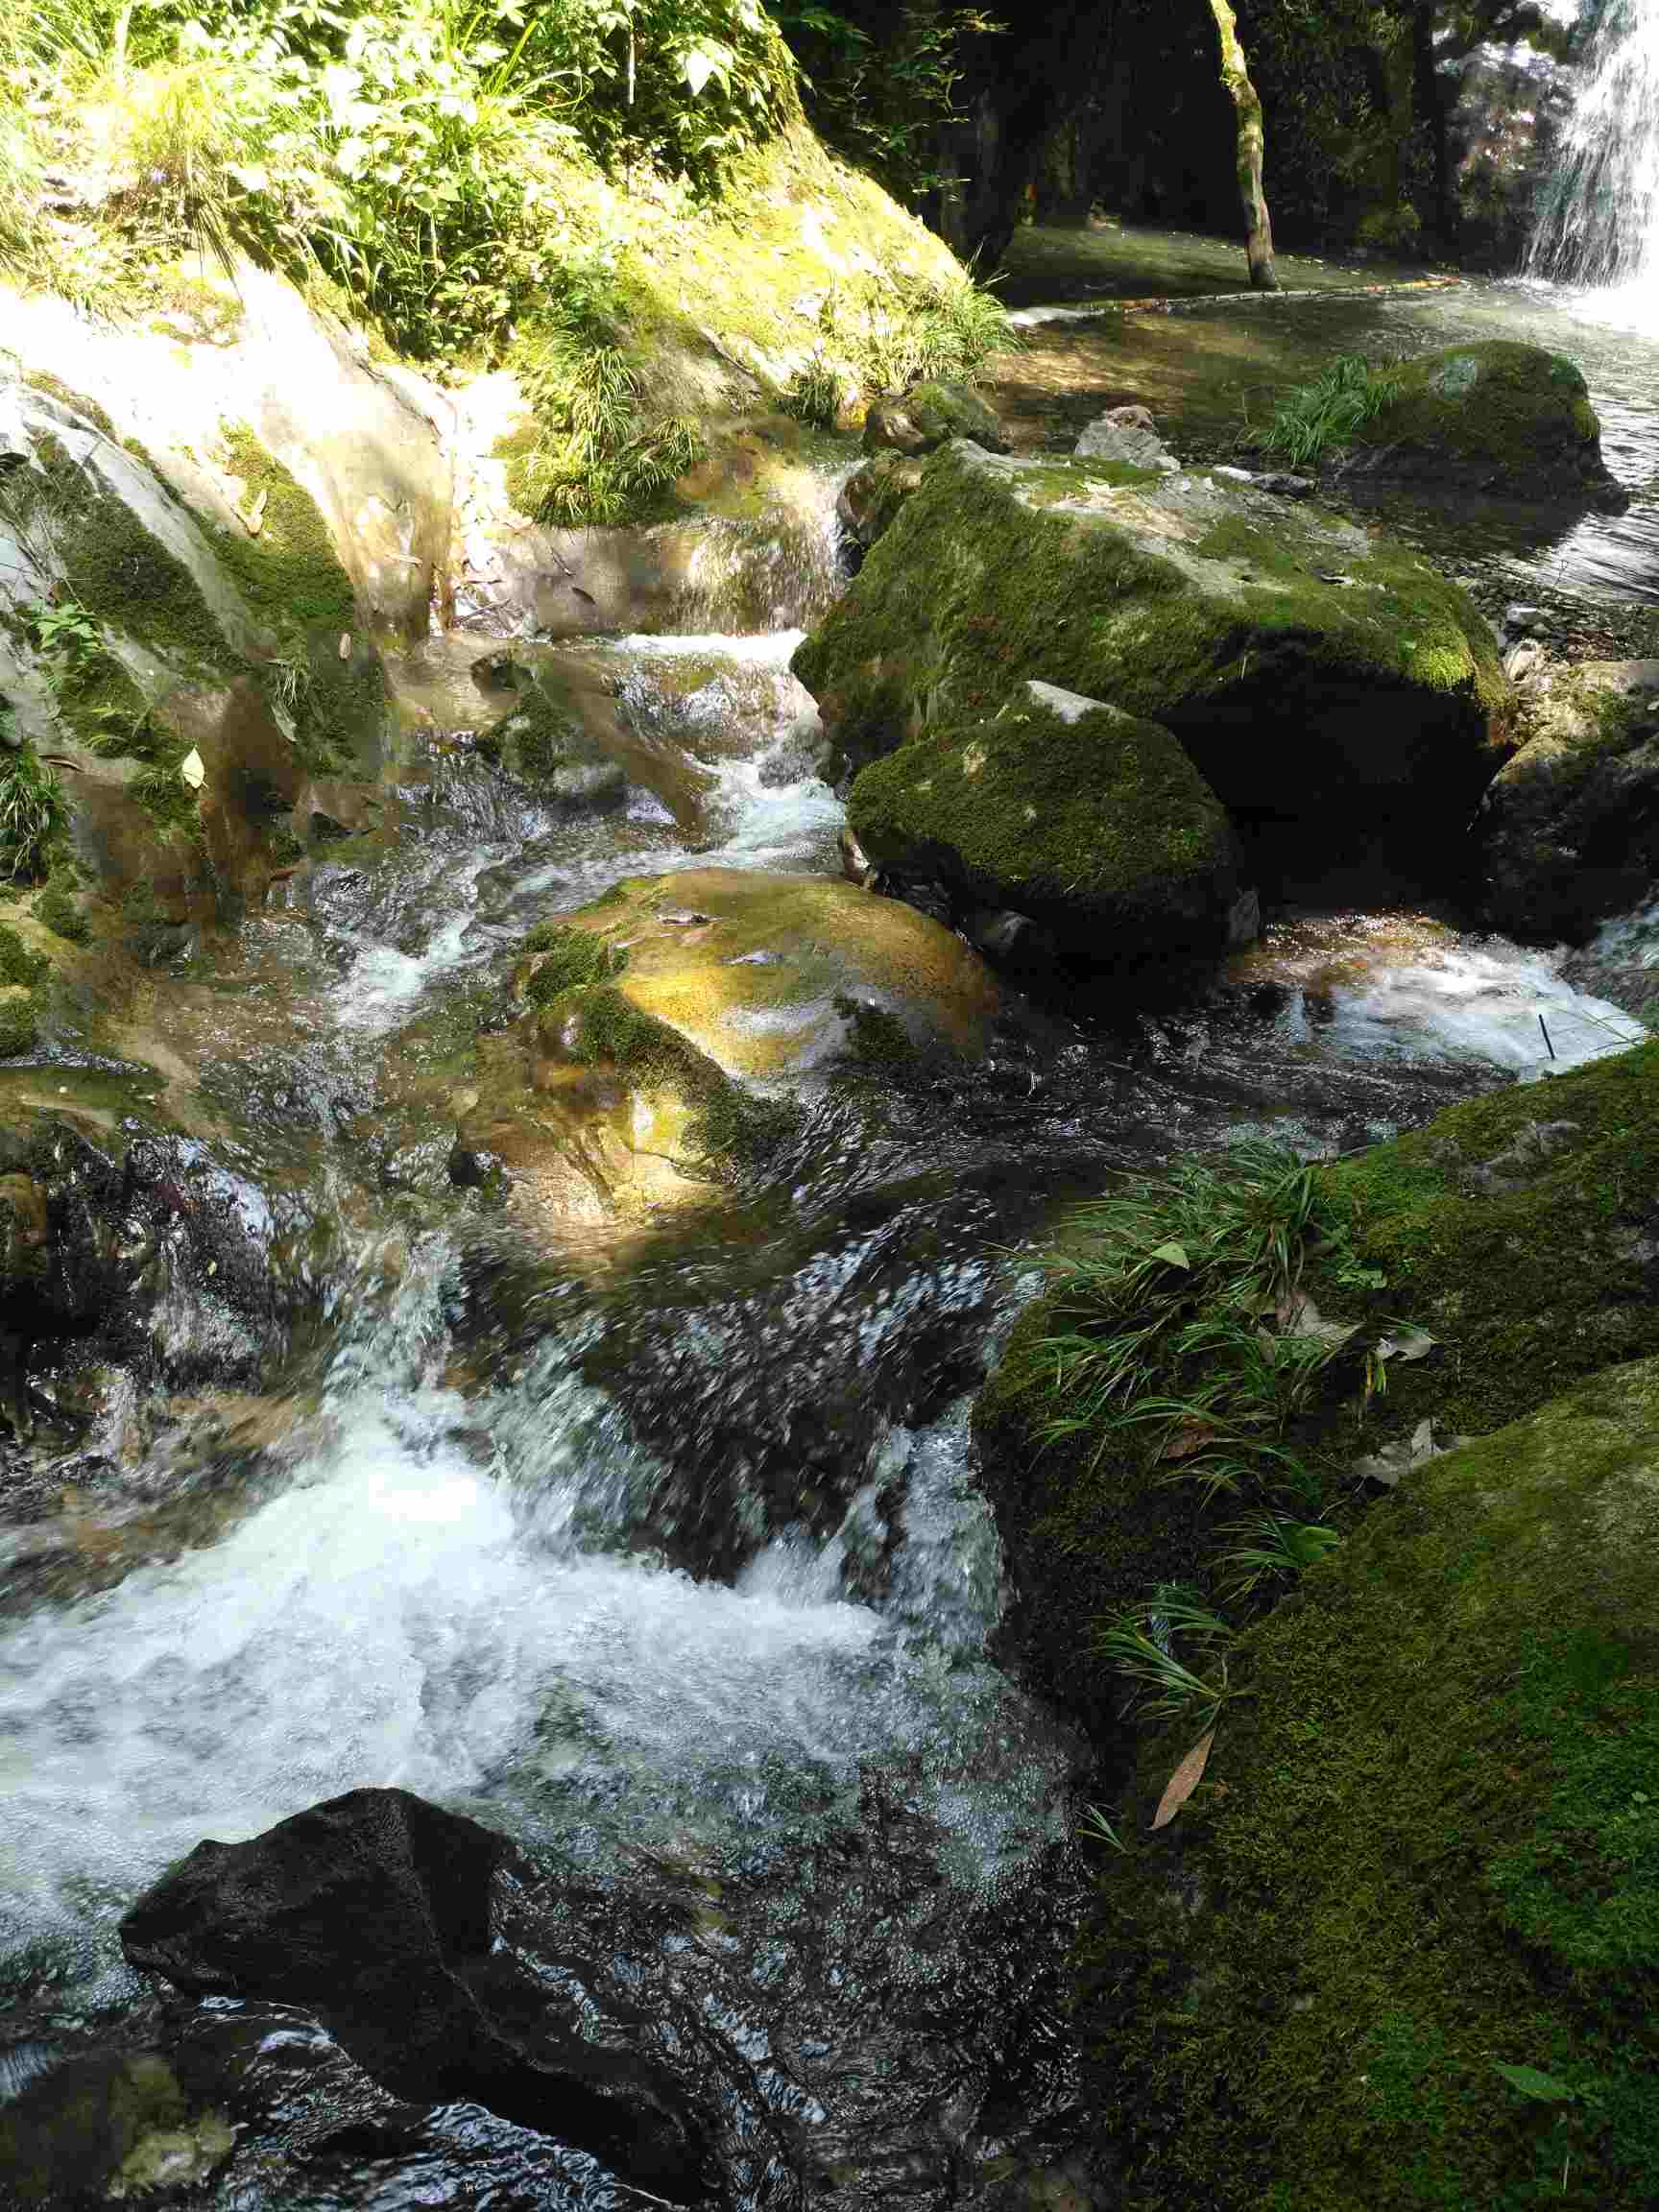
(1598, 225)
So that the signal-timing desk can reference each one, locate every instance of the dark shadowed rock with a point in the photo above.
(377, 1912)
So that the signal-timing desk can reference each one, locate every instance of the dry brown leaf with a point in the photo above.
(1184, 1781)
(1185, 1441)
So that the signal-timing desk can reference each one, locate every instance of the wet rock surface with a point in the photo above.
(378, 1914)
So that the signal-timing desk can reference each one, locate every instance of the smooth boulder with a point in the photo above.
(1330, 687)
(377, 1912)
(1089, 822)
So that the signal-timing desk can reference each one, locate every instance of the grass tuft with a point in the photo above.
(1315, 421)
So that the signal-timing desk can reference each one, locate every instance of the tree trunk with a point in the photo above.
(1252, 145)
(1429, 102)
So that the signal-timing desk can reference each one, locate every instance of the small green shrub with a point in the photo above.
(815, 394)
(1142, 1647)
(33, 816)
(18, 1027)
(18, 966)
(1320, 417)
(58, 908)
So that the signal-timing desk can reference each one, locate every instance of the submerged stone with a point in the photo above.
(1089, 821)
(1326, 683)
(1497, 417)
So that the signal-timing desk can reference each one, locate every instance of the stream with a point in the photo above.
(665, 1555)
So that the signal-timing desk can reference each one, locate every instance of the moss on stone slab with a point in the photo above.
(1087, 820)
(1426, 1848)
(288, 572)
(556, 958)
(1312, 671)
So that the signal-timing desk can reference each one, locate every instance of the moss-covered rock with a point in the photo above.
(1569, 827)
(929, 415)
(1401, 1948)
(1497, 417)
(873, 493)
(660, 1020)
(1094, 823)
(1323, 680)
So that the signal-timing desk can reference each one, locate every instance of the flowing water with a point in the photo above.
(664, 1554)
(1598, 225)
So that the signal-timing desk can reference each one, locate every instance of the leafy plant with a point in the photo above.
(815, 394)
(1181, 1328)
(33, 816)
(1276, 1546)
(1323, 415)
(1142, 1647)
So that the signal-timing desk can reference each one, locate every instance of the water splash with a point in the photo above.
(1600, 222)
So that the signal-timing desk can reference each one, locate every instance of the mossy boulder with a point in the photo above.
(106, 2124)
(1498, 417)
(1569, 827)
(1324, 682)
(929, 415)
(873, 493)
(1401, 1948)
(1520, 1231)
(1091, 821)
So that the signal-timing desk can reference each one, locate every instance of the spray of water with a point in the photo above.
(1600, 222)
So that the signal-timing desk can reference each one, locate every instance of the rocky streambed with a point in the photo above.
(519, 1233)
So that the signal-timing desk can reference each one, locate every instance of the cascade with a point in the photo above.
(1600, 220)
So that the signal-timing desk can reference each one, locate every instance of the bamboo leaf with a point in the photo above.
(1184, 1781)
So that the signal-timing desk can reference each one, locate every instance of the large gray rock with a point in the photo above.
(1127, 435)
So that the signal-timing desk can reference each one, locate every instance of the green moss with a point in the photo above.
(167, 799)
(1427, 1845)
(878, 1038)
(594, 1025)
(1371, 672)
(1525, 1253)
(1101, 819)
(59, 908)
(124, 576)
(78, 402)
(565, 959)
(289, 574)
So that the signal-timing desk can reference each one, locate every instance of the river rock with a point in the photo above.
(925, 418)
(104, 2124)
(1461, 1704)
(1126, 434)
(873, 493)
(378, 1914)
(1569, 827)
(654, 1018)
(1087, 821)
(1497, 417)
(1325, 682)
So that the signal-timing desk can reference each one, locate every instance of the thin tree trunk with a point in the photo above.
(1252, 146)
(1429, 100)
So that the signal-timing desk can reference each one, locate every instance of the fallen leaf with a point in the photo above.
(1185, 1441)
(1184, 1781)
(1542, 2089)
(252, 518)
(1408, 1344)
(344, 644)
(193, 771)
(1173, 1255)
(1299, 1317)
